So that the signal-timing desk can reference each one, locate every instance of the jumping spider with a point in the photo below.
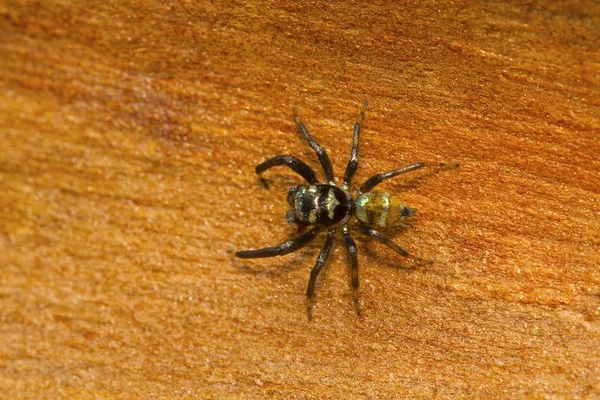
(329, 206)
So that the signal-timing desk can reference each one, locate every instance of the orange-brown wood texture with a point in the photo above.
(130, 132)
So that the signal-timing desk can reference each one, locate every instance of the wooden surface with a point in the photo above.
(130, 132)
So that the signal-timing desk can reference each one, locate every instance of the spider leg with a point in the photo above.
(377, 179)
(351, 247)
(294, 163)
(321, 153)
(321, 260)
(353, 162)
(281, 249)
(380, 237)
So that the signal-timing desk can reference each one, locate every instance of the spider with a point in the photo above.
(327, 206)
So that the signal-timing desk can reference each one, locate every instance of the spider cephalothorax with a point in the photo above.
(321, 205)
(329, 206)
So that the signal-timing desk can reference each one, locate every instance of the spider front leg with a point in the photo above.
(294, 163)
(380, 237)
(281, 249)
(321, 153)
(353, 254)
(353, 162)
(314, 273)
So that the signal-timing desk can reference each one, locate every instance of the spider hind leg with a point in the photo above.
(381, 238)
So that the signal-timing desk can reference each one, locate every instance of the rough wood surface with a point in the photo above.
(130, 131)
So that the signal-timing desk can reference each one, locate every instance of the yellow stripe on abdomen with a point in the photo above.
(372, 208)
(378, 208)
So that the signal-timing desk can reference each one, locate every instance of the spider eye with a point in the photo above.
(292, 195)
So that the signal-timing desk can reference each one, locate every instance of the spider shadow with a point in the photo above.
(278, 182)
(384, 260)
(379, 254)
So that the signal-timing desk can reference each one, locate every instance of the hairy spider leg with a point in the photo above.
(314, 272)
(321, 153)
(281, 249)
(380, 237)
(353, 254)
(294, 163)
(377, 179)
(353, 161)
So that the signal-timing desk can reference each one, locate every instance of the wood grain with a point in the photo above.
(130, 131)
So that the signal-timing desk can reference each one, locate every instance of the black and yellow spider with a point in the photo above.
(327, 206)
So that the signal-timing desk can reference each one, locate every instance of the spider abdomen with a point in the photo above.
(320, 205)
(379, 208)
